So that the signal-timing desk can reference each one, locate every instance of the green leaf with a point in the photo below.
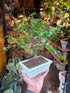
(42, 33)
(11, 39)
(50, 33)
(18, 67)
(10, 61)
(15, 29)
(14, 45)
(8, 47)
(44, 40)
(50, 48)
(8, 91)
(18, 89)
(31, 51)
(6, 36)
(14, 73)
(12, 85)
(16, 60)
(52, 30)
(32, 14)
(61, 31)
(36, 37)
(5, 48)
(30, 44)
(47, 44)
(15, 88)
(10, 66)
(22, 46)
(25, 47)
(18, 42)
(8, 80)
(55, 52)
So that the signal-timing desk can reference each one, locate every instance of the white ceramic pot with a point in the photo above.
(64, 44)
(32, 72)
(62, 78)
(58, 66)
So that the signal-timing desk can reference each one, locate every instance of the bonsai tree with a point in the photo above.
(31, 34)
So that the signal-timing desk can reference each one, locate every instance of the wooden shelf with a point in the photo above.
(60, 47)
(65, 63)
(63, 50)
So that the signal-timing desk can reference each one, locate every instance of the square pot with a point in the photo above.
(34, 71)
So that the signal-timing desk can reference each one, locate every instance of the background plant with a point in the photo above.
(48, 8)
(12, 80)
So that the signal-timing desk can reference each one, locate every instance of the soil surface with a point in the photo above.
(35, 62)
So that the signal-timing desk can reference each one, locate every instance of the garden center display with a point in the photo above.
(36, 33)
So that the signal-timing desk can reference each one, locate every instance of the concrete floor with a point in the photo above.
(51, 82)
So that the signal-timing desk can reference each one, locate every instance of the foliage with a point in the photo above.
(64, 21)
(49, 2)
(62, 58)
(8, 91)
(48, 8)
(65, 35)
(11, 81)
(33, 33)
(66, 28)
(62, 3)
(49, 12)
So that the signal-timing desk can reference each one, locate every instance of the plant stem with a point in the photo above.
(35, 54)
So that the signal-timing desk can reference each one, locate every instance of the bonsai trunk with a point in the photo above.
(35, 54)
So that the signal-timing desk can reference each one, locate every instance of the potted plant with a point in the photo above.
(13, 79)
(62, 58)
(33, 33)
(64, 43)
